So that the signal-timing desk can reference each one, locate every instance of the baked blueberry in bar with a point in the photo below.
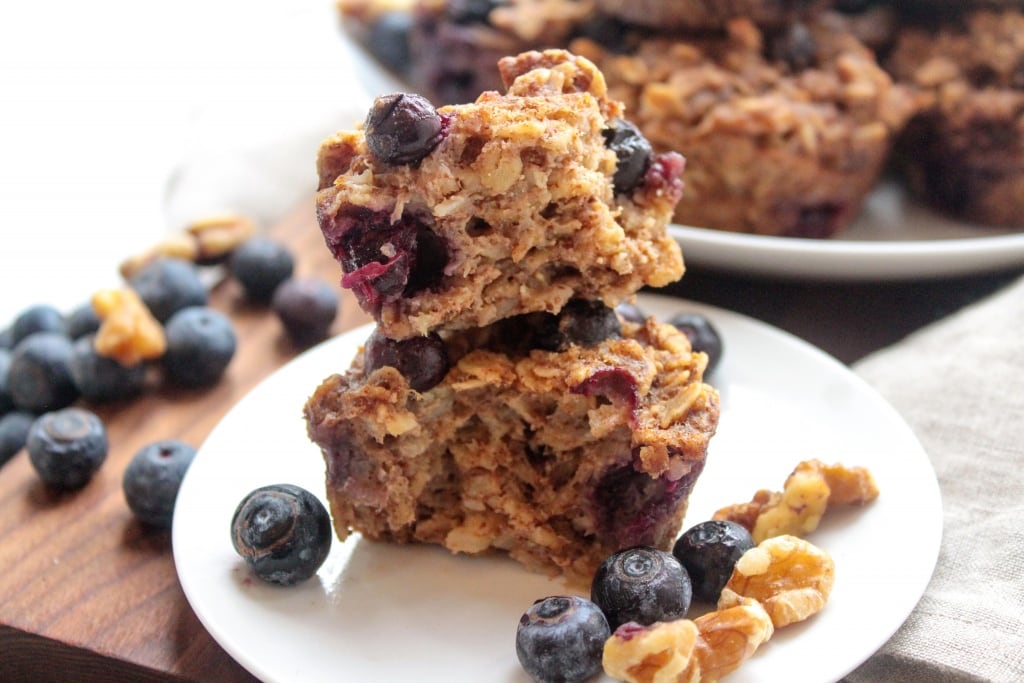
(454, 218)
(557, 439)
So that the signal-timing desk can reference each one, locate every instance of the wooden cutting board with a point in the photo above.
(86, 592)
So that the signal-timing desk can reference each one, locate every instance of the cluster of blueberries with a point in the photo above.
(561, 638)
(49, 366)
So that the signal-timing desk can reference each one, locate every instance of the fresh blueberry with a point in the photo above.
(81, 321)
(703, 336)
(471, 11)
(6, 402)
(39, 378)
(709, 552)
(388, 39)
(7, 338)
(633, 152)
(561, 638)
(167, 285)
(306, 307)
(40, 318)
(152, 479)
(101, 379)
(66, 447)
(641, 584)
(423, 361)
(588, 323)
(283, 532)
(200, 344)
(631, 313)
(402, 128)
(260, 265)
(14, 428)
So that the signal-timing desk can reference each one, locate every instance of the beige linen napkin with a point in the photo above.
(960, 385)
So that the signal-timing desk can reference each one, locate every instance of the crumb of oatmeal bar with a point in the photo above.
(512, 210)
(558, 450)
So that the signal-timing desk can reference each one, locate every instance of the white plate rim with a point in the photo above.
(197, 586)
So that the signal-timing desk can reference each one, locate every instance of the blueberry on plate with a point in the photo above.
(152, 479)
(561, 638)
(101, 379)
(200, 344)
(641, 584)
(709, 552)
(81, 321)
(6, 402)
(702, 334)
(167, 285)
(39, 378)
(306, 307)
(283, 532)
(14, 428)
(39, 318)
(260, 265)
(66, 447)
(423, 361)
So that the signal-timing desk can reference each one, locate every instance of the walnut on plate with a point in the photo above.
(790, 577)
(688, 651)
(807, 493)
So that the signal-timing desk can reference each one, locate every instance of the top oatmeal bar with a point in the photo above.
(458, 217)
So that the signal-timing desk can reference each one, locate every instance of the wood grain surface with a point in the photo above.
(86, 592)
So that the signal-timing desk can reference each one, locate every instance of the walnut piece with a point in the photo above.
(128, 331)
(807, 493)
(790, 577)
(685, 651)
(217, 236)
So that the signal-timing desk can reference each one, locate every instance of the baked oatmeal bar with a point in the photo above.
(516, 203)
(694, 15)
(556, 439)
(785, 132)
(964, 153)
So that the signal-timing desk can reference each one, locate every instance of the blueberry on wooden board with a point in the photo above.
(101, 379)
(200, 344)
(39, 378)
(152, 479)
(260, 265)
(66, 447)
(167, 285)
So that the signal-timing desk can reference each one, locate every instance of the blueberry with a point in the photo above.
(471, 11)
(167, 285)
(402, 128)
(588, 323)
(66, 447)
(152, 479)
(631, 313)
(101, 379)
(40, 318)
(795, 47)
(260, 265)
(7, 338)
(39, 378)
(561, 638)
(423, 361)
(81, 321)
(703, 336)
(306, 308)
(709, 551)
(633, 152)
(14, 428)
(200, 344)
(283, 532)
(641, 584)
(6, 402)
(388, 39)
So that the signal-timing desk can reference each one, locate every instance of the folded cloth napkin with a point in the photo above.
(959, 384)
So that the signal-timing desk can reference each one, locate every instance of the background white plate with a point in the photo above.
(388, 613)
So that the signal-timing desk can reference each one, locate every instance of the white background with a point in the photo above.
(120, 121)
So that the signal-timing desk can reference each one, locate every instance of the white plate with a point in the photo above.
(892, 238)
(396, 613)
